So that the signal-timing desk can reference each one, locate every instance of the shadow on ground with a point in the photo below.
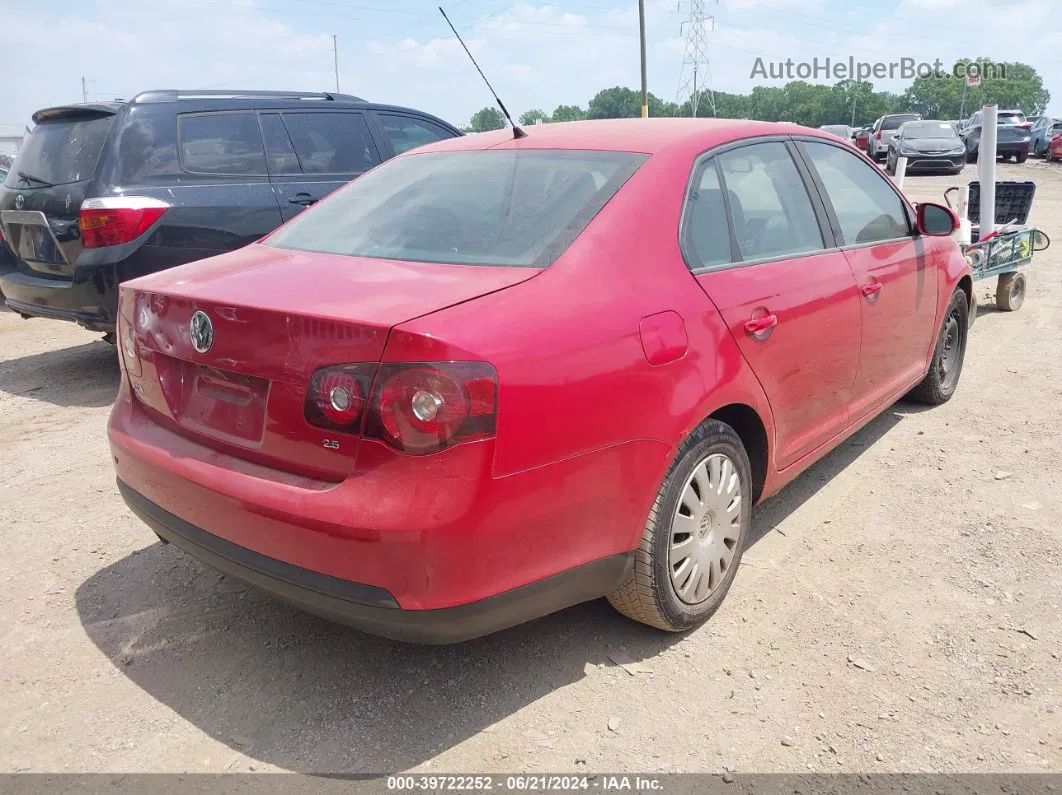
(295, 691)
(85, 375)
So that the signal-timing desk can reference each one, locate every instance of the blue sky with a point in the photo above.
(536, 54)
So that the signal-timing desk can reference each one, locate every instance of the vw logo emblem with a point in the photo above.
(201, 332)
(20, 202)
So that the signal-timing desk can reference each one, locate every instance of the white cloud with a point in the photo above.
(536, 54)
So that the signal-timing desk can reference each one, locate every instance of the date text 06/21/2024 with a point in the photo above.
(522, 783)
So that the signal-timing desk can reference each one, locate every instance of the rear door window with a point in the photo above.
(61, 151)
(409, 132)
(279, 150)
(492, 207)
(221, 143)
(769, 202)
(332, 143)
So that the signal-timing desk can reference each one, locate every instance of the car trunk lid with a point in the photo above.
(41, 199)
(276, 316)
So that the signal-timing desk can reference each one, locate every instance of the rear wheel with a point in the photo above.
(1010, 291)
(939, 384)
(693, 540)
(1021, 157)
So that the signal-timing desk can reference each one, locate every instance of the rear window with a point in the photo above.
(492, 207)
(894, 122)
(1010, 118)
(61, 151)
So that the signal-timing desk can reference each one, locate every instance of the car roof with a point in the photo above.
(649, 136)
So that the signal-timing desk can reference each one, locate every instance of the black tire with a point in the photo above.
(971, 156)
(1010, 291)
(946, 365)
(1021, 157)
(648, 595)
(890, 167)
(1005, 157)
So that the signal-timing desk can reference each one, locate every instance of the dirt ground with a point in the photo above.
(899, 609)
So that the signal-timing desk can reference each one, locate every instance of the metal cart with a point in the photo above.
(1007, 253)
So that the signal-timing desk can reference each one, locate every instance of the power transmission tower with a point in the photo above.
(695, 69)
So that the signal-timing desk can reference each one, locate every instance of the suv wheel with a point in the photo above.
(1021, 157)
(946, 366)
(696, 532)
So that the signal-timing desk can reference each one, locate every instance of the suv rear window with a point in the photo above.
(1010, 118)
(894, 122)
(61, 151)
(492, 207)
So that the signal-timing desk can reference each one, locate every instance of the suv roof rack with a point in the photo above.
(172, 95)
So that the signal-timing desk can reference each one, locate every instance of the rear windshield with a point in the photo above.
(928, 129)
(893, 122)
(836, 129)
(60, 151)
(1010, 118)
(490, 207)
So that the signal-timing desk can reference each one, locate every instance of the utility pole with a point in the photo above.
(645, 83)
(335, 58)
(695, 57)
(84, 90)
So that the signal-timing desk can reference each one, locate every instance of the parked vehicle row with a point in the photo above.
(455, 396)
(103, 193)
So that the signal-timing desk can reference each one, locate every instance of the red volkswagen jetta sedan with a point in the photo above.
(495, 377)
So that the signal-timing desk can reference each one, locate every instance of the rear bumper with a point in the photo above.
(432, 532)
(90, 300)
(372, 609)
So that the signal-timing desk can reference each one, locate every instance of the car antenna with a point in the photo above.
(517, 132)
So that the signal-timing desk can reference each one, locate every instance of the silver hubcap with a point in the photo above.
(705, 529)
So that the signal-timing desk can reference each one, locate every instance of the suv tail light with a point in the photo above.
(417, 408)
(1024, 125)
(878, 135)
(114, 220)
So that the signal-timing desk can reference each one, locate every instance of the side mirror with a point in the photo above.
(936, 220)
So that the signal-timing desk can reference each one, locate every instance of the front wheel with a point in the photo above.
(693, 540)
(890, 167)
(1010, 291)
(946, 365)
(971, 156)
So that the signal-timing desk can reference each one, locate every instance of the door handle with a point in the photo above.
(305, 199)
(758, 325)
(872, 289)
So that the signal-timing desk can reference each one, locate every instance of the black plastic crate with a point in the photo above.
(1013, 201)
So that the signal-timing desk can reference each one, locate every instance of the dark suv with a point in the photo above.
(102, 193)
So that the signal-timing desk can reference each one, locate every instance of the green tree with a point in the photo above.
(1021, 88)
(529, 117)
(486, 119)
(626, 103)
(568, 113)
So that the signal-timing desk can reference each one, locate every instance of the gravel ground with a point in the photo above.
(899, 609)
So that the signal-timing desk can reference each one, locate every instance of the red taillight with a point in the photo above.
(416, 408)
(878, 135)
(336, 399)
(422, 408)
(1024, 125)
(118, 219)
